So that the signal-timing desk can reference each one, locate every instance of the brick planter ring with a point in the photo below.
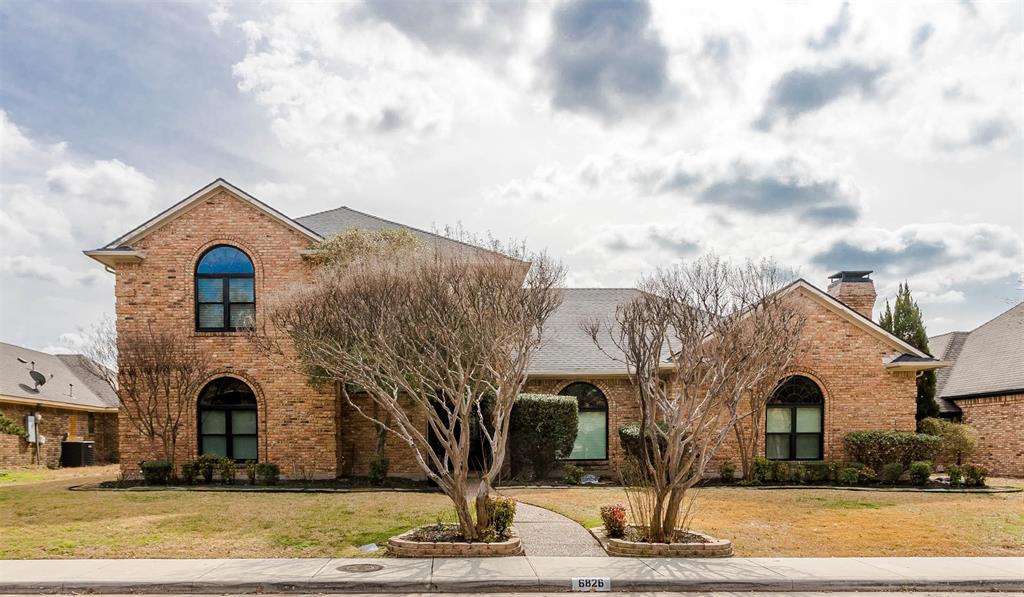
(404, 547)
(712, 548)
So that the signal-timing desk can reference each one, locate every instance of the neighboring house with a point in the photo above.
(73, 404)
(214, 258)
(984, 387)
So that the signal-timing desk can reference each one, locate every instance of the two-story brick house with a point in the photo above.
(211, 260)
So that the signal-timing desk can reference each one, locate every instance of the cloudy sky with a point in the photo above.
(618, 135)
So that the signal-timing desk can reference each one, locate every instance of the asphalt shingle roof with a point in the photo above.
(566, 348)
(987, 360)
(69, 380)
(334, 221)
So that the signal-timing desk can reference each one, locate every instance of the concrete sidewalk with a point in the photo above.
(530, 573)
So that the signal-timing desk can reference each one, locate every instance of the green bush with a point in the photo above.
(189, 472)
(975, 475)
(797, 473)
(542, 429)
(9, 427)
(614, 519)
(501, 510)
(865, 473)
(920, 471)
(268, 473)
(726, 471)
(573, 474)
(156, 472)
(207, 464)
(834, 468)
(250, 472)
(780, 472)
(878, 448)
(958, 439)
(227, 470)
(956, 476)
(632, 437)
(762, 472)
(379, 470)
(891, 473)
(817, 472)
(849, 476)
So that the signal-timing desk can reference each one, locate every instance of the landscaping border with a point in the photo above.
(711, 548)
(402, 547)
(979, 490)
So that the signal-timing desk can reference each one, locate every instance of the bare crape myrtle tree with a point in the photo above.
(697, 342)
(438, 340)
(156, 376)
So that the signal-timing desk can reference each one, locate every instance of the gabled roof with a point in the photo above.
(69, 381)
(923, 360)
(946, 347)
(990, 359)
(566, 349)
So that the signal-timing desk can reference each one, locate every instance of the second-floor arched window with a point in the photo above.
(225, 290)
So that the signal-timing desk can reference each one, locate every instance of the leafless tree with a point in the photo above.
(696, 342)
(439, 341)
(156, 375)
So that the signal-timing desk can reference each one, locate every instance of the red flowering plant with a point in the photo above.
(614, 517)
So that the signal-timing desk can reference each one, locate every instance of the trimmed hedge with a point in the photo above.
(542, 429)
(630, 437)
(878, 448)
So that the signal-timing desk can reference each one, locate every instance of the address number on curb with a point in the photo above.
(591, 583)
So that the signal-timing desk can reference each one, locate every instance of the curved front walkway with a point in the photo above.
(547, 533)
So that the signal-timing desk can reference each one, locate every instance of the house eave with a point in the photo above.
(112, 258)
(56, 404)
(917, 366)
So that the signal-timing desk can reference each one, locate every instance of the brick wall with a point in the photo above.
(15, 451)
(997, 420)
(297, 424)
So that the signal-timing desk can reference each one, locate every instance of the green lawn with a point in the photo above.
(46, 520)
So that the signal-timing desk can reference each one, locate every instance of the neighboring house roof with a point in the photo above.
(566, 349)
(989, 359)
(946, 347)
(69, 381)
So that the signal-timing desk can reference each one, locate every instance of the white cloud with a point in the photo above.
(218, 15)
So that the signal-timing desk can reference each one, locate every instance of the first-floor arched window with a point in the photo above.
(592, 430)
(227, 420)
(793, 424)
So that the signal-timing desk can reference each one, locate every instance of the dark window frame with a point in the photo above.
(793, 433)
(228, 410)
(225, 299)
(604, 397)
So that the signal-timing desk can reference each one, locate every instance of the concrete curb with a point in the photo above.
(509, 574)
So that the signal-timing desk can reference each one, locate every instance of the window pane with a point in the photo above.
(779, 420)
(808, 420)
(245, 447)
(243, 421)
(210, 290)
(211, 316)
(213, 421)
(778, 447)
(242, 315)
(240, 290)
(216, 445)
(591, 437)
(225, 260)
(808, 446)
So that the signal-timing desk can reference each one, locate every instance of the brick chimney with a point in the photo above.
(855, 289)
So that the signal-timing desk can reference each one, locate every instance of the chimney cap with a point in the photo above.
(852, 275)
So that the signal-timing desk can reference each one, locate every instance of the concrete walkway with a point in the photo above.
(547, 533)
(502, 575)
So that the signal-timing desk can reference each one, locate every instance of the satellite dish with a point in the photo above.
(37, 377)
(22, 361)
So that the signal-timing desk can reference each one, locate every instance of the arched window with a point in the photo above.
(225, 290)
(227, 420)
(793, 424)
(592, 433)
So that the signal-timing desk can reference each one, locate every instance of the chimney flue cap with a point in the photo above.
(852, 276)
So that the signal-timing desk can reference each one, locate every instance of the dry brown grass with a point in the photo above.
(46, 520)
(816, 522)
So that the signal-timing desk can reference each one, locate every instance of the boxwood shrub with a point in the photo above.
(156, 472)
(878, 448)
(630, 436)
(542, 429)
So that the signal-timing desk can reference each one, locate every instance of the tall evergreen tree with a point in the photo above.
(904, 321)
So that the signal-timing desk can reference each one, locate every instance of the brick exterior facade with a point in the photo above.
(312, 433)
(55, 423)
(997, 420)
